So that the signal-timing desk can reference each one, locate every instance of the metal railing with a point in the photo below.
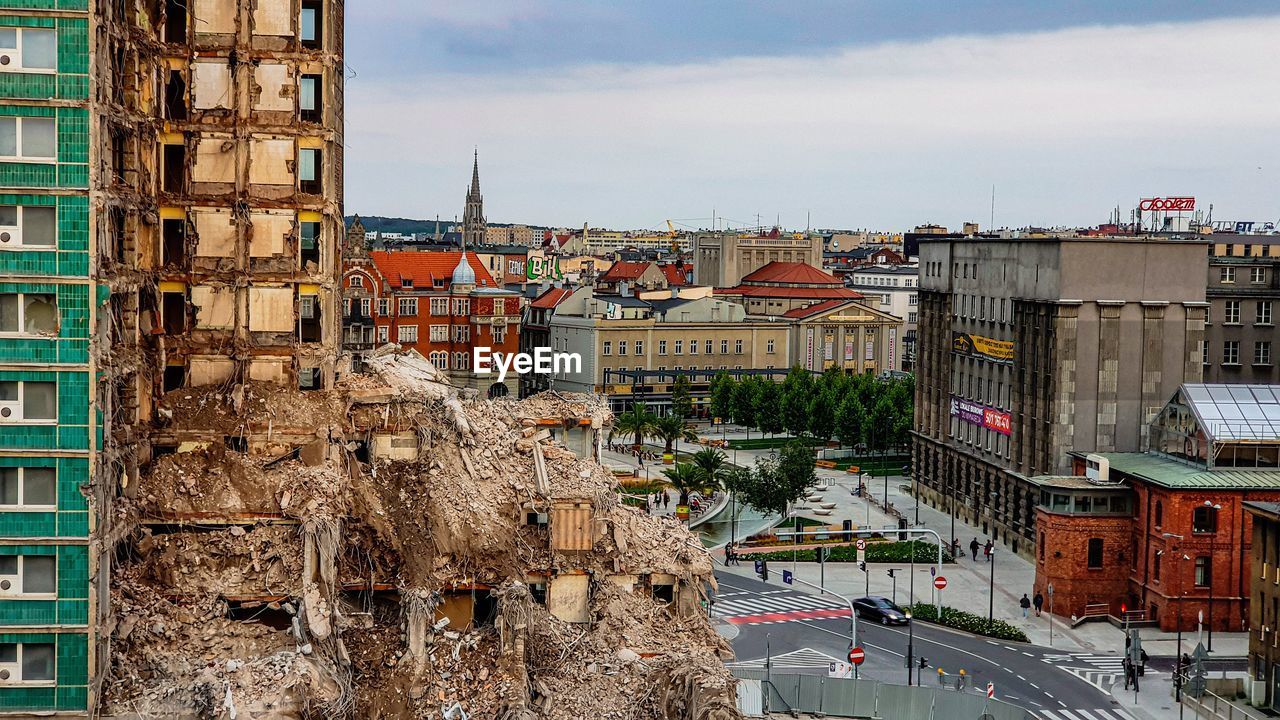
(761, 691)
(1213, 707)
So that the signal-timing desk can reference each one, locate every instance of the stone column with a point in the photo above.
(1108, 373)
(1153, 342)
(1062, 364)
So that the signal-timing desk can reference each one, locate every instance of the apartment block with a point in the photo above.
(1244, 294)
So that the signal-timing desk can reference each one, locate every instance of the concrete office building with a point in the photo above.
(1244, 295)
(1032, 348)
(723, 259)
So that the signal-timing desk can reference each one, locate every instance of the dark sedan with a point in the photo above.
(881, 610)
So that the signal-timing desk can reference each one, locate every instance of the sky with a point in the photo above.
(879, 115)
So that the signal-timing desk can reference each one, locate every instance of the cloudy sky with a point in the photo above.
(855, 114)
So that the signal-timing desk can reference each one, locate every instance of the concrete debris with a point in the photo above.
(392, 547)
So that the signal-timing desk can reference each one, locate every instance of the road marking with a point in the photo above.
(1033, 685)
(1050, 696)
(1024, 652)
(1022, 678)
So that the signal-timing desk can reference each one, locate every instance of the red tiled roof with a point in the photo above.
(676, 275)
(791, 272)
(423, 268)
(802, 293)
(815, 309)
(623, 270)
(551, 298)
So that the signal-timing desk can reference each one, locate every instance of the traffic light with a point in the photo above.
(924, 663)
(862, 566)
(890, 571)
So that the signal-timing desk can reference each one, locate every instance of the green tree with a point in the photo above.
(822, 415)
(797, 392)
(681, 402)
(672, 429)
(881, 424)
(768, 408)
(685, 478)
(777, 482)
(850, 420)
(713, 465)
(744, 402)
(722, 391)
(637, 422)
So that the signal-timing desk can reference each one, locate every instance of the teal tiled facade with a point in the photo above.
(64, 445)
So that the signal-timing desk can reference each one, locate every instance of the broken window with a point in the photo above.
(175, 376)
(26, 663)
(174, 234)
(538, 589)
(310, 24)
(175, 21)
(309, 318)
(28, 314)
(21, 400)
(28, 575)
(309, 244)
(309, 379)
(27, 488)
(309, 98)
(309, 171)
(174, 161)
(663, 587)
(31, 49)
(175, 96)
(173, 312)
(28, 138)
(28, 227)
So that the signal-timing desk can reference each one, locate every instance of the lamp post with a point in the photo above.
(915, 485)
(991, 593)
(1209, 572)
(910, 645)
(1177, 664)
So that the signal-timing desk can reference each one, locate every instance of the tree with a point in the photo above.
(637, 422)
(681, 403)
(671, 429)
(850, 420)
(881, 424)
(768, 408)
(775, 483)
(797, 392)
(744, 403)
(722, 390)
(712, 464)
(822, 415)
(685, 478)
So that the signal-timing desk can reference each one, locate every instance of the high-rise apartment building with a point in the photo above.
(170, 213)
(1241, 341)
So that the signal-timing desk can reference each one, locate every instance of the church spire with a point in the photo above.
(473, 223)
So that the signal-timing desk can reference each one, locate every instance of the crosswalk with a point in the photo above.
(1077, 714)
(776, 606)
(1100, 671)
(802, 659)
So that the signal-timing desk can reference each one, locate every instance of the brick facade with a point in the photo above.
(1062, 553)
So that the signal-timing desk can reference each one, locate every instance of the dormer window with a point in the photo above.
(406, 283)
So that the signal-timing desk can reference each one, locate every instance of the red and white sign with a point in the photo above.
(940, 582)
(1001, 422)
(856, 656)
(1167, 204)
(862, 544)
(991, 690)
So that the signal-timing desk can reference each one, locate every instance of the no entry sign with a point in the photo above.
(940, 582)
(856, 656)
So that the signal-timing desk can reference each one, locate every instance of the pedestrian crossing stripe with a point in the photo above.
(802, 659)
(1098, 678)
(1079, 714)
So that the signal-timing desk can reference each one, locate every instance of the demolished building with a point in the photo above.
(388, 547)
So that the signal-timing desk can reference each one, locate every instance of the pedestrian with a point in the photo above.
(1038, 601)
(986, 550)
(973, 547)
(666, 500)
(1025, 604)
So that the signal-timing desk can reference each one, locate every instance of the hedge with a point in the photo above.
(877, 552)
(968, 622)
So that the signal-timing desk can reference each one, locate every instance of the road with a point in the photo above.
(802, 632)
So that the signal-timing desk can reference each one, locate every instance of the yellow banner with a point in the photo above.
(981, 346)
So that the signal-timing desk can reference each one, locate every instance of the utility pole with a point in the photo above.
(991, 595)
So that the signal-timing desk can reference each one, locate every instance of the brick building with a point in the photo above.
(437, 303)
(1264, 610)
(1165, 534)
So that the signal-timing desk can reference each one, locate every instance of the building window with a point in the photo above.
(1204, 352)
(1263, 314)
(309, 170)
(29, 314)
(24, 401)
(439, 358)
(737, 347)
(912, 317)
(310, 24)
(1231, 312)
(28, 227)
(622, 347)
(499, 334)
(382, 333)
(24, 488)
(408, 306)
(708, 347)
(768, 346)
(1159, 514)
(1231, 352)
(1204, 571)
(28, 138)
(384, 307)
(724, 347)
(608, 348)
(1155, 566)
(639, 349)
(1257, 275)
(461, 361)
(679, 347)
(365, 305)
(25, 575)
(309, 94)
(1228, 275)
(357, 281)
(461, 333)
(1095, 553)
(1204, 520)
(439, 306)
(407, 334)
(439, 333)
(1262, 352)
(26, 663)
(461, 306)
(29, 49)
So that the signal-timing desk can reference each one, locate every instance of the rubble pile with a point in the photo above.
(391, 547)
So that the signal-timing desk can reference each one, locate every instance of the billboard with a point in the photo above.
(981, 415)
(1167, 204)
(981, 346)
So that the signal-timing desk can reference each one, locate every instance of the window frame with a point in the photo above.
(21, 593)
(315, 113)
(19, 663)
(19, 124)
(21, 229)
(1262, 352)
(1210, 527)
(21, 480)
(403, 333)
(1090, 549)
(407, 307)
(22, 402)
(1231, 352)
(20, 45)
(22, 317)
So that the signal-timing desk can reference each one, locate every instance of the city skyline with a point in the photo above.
(1067, 121)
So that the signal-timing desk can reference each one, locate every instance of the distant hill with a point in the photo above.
(406, 226)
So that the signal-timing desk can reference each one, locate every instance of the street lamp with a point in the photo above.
(1177, 674)
(991, 594)
(1209, 571)
(911, 636)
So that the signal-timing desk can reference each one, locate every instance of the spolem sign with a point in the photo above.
(1167, 204)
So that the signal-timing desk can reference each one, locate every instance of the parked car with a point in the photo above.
(881, 610)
